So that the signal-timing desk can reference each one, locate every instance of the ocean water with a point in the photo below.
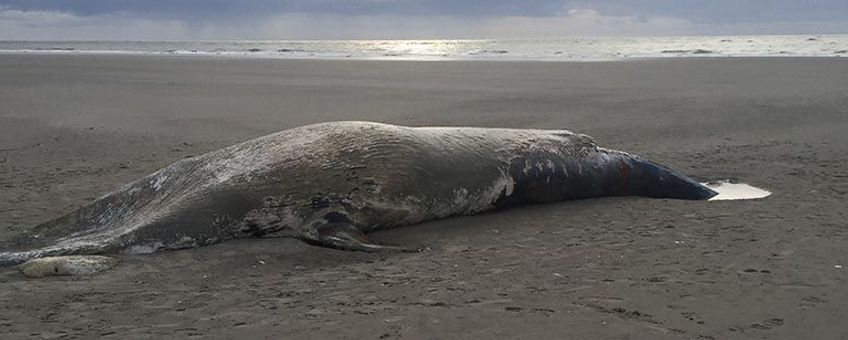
(563, 49)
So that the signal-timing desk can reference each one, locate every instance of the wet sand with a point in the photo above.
(75, 127)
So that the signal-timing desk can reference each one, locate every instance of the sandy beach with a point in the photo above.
(73, 127)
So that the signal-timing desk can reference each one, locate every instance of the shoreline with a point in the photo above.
(541, 49)
(260, 56)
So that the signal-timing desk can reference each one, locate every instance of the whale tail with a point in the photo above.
(645, 178)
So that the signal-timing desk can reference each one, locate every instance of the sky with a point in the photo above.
(411, 19)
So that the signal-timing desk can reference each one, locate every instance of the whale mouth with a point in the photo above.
(728, 190)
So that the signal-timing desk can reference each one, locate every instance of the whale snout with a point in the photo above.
(682, 187)
(657, 181)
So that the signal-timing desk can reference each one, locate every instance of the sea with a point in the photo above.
(548, 49)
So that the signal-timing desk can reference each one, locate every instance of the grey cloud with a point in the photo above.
(725, 11)
(714, 11)
(412, 19)
(199, 9)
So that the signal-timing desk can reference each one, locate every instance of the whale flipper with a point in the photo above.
(346, 236)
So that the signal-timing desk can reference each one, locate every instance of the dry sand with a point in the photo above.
(75, 127)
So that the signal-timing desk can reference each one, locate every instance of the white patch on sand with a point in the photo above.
(735, 191)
